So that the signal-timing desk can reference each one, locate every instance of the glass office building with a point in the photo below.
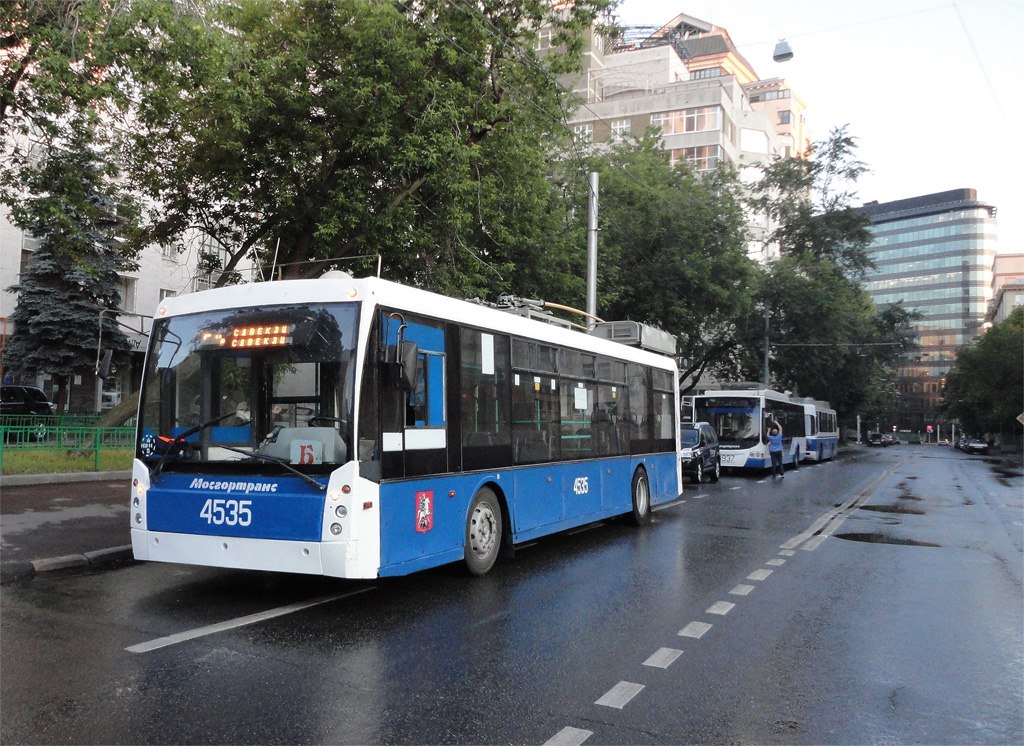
(934, 253)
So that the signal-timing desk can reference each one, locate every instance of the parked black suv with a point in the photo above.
(17, 399)
(700, 452)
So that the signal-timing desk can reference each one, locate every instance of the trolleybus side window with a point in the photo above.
(484, 399)
(639, 424)
(536, 424)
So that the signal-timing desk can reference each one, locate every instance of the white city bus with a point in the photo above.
(822, 429)
(741, 418)
(360, 428)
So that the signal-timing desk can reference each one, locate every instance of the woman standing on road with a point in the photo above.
(775, 449)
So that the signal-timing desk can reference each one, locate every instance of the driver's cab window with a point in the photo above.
(295, 394)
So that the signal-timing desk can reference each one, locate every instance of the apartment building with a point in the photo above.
(1007, 286)
(933, 253)
(688, 79)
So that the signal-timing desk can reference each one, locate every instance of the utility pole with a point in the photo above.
(767, 346)
(592, 251)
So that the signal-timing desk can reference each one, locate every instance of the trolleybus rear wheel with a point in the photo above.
(641, 497)
(483, 532)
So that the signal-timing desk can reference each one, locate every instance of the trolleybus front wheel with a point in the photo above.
(483, 532)
(641, 497)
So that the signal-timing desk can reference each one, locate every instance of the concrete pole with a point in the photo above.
(592, 251)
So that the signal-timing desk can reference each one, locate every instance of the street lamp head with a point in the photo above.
(783, 52)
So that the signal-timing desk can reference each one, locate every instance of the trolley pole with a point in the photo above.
(592, 251)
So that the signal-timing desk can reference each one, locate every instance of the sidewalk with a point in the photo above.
(53, 521)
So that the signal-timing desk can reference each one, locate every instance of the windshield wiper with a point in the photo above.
(180, 439)
(276, 460)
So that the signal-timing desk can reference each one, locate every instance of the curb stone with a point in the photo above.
(13, 571)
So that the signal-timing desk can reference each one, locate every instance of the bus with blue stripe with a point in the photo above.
(358, 428)
(742, 417)
(822, 429)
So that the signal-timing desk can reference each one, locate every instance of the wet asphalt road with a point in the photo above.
(873, 599)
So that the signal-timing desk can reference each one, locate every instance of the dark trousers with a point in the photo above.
(777, 467)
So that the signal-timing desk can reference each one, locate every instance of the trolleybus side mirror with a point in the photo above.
(410, 360)
(400, 365)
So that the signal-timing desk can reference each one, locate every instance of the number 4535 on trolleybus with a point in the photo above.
(359, 428)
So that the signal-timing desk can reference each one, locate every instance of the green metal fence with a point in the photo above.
(76, 448)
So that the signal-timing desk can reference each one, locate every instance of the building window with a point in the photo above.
(702, 119)
(785, 117)
(128, 294)
(167, 293)
(703, 158)
(544, 38)
(620, 130)
(584, 133)
(769, 96)
(708, 72)
(30, 242)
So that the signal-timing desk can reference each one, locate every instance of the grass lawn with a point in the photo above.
(42, 460)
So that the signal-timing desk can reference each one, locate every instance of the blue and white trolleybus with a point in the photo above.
(360, 428)
(742, 416)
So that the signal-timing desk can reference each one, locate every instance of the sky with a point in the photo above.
(925, 86)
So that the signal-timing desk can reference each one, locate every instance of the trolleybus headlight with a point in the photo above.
(335, 528)
(138, 518)
(341, 511)
(136, 502)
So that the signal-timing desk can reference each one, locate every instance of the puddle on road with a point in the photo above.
(883, 539)
(902, 509)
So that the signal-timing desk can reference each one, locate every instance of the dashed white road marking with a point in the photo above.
(741, 590)
(759, 574)
(569, 737)
(731, 489)
(663, 657)
(720, 607)
(776, 562)
(620, 694)
(787, 552)
(212, 629)
(695, 630)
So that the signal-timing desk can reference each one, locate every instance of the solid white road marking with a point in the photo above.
(695, 630)
(569, 737)
(212, 629)
(720, 607)
(759, 574)
(663, 657)
(620, 694)
(741, 590)
(814, 543)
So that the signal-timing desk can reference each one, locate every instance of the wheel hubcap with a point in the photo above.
(483, 531)
(642, 496)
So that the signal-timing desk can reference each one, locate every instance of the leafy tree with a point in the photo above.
(73, 276)
(827, 339)
(809, 198)
(672, 250)
(338, 130)
(985, 389)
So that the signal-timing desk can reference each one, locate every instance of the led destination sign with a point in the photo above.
(238, 337)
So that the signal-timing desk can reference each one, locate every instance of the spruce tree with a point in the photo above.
(71, 206)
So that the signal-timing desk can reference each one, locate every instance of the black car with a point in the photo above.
(700, 452)
(976, 445)
(18, 399)
(875, 439)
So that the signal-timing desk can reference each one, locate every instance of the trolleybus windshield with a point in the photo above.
(259, 385)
